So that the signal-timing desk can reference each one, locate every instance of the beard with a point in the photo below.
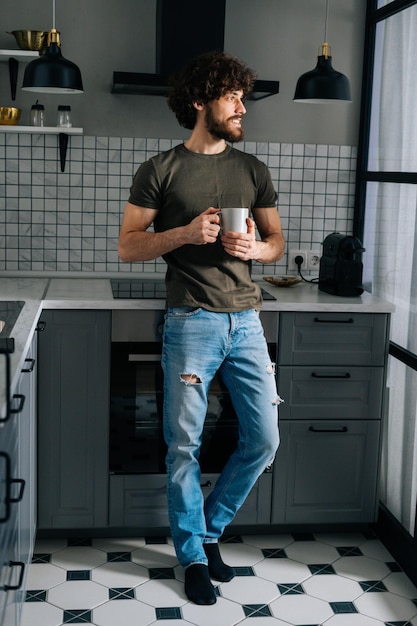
(221, 130)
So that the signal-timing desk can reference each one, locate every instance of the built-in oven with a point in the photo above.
(137, 450)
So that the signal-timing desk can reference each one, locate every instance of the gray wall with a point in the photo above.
(278, 38)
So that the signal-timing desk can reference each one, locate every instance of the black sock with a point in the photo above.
(198, 587)
(217, 569)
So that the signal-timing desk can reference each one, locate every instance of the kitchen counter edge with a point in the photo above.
(96, 294)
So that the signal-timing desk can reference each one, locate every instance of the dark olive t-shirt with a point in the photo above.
(181, 184)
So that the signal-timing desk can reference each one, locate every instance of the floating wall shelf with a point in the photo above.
(13, 57)
(47, 130)
(40, 130)
(19, 55)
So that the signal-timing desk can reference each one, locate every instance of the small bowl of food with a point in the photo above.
(9, 116)
(30, 39)
(283, 281)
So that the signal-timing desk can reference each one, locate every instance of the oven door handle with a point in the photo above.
(144, 357)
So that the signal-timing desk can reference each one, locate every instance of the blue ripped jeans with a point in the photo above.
(196, 344)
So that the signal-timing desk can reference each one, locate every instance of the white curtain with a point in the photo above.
(390, 239)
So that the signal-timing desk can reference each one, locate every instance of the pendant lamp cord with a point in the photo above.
(325, 48)
(53, 14)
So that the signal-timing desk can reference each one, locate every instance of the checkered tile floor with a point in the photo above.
(282, 580)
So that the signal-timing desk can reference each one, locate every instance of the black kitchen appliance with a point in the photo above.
(138, 289)
(341, 266)
(136, 389)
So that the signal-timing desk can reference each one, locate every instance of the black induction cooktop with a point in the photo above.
(144, 289)
(138, 289)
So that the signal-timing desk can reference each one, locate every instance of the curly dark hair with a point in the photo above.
(206, 78)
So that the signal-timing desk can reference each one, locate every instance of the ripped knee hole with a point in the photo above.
(190, 379)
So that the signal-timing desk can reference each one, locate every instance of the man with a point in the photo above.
(212, 320)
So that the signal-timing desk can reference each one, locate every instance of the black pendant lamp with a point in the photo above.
(51, 72)
(323, 84)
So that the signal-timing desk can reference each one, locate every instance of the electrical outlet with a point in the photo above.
(311, 260)
(292, 265)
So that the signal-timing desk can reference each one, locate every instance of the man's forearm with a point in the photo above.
(146, 246)
(270, 249)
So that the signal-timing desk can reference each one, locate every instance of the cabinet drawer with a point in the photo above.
(330, 392)
(326, 472)
(141, 501)
(257, 507)
(332, 338)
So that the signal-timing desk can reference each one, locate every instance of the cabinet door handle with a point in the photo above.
(315, 375)
(30, 367)
(350, 320)
(206, 484)
(6, 478)
(22, 483)
(21, 573)
(342, 429)
(7, 389)
(8, 500)
(21, 401)
(144, 357)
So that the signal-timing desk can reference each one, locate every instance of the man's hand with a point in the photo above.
(242, 245)
(204, 228)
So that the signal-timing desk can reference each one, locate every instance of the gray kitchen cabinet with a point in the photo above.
(18, 491)
(331, 375)
(326, 472)
(73, 400)
(325, 392)
(141, 501)
(333, 338)
(138, 501)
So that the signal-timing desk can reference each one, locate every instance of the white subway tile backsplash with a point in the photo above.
(69, 221)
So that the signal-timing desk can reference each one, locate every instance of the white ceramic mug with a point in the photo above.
(234, 219)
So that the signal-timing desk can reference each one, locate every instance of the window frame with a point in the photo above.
(363, 175)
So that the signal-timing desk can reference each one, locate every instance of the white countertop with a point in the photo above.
(95, 293)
